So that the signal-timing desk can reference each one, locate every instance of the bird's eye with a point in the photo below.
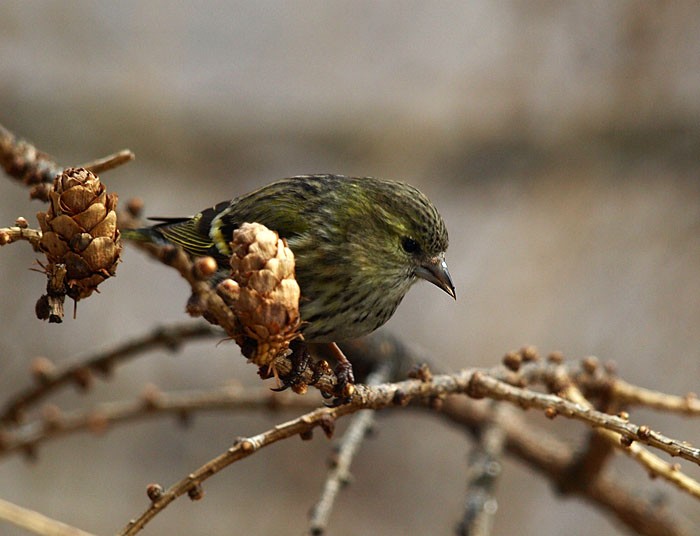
(409, 245)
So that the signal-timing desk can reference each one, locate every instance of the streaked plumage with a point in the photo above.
(359, 244)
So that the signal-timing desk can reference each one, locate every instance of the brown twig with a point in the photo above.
(204, 298)
(654, 465)
(483, 472)
(242, 448)
(481, 384)
(339, 475)
(553, 458)
(109, 162)
(364, 397)
(381, 348)
(54, 423)
(627, 394)
(476, 383)
(8, 235)
(37, 170)
(24, 162)
(35, 522)
(535, 447)
(81, 371)
(564, 381)
(595, 380)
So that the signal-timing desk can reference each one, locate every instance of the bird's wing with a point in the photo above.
(192, 234)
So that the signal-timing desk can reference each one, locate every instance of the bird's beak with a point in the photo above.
(435, 270)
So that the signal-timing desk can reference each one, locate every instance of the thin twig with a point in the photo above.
(474, 382)
(55, 423)
(242, 448)
(630, 509)
(655, 465)
(339, 475)
(36, 522)
(80, 372)
(8, 235)
(483, 473)
(23, 161)
(596, 380)
(481, 384)
(553, 458)
(364, 397)
(537, 448)
(382, 348)
(633, 395)
(109, 162)
(204, 298)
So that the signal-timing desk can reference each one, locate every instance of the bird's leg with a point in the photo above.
(344, 373)
(300, 359)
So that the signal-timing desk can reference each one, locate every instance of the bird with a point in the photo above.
(359, 245)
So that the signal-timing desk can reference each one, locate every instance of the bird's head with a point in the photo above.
(414, 235)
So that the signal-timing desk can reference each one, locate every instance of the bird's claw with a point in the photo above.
(300, 359)
(344, 388)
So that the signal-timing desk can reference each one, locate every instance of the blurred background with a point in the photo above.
(560, 140)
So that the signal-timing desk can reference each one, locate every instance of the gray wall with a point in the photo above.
(559, 139)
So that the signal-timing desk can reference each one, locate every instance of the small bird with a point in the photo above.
(359, 244)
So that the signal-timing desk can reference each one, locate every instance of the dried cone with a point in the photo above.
(263, 293)
(80, 231)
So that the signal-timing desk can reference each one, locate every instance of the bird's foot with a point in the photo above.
(345, 386)
(300, 359)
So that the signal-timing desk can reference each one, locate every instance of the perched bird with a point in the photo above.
(359, 244)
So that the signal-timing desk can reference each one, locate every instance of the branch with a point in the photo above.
(54, 423)
(8, 235)
(242, 448)
(36, 522)
(339, 475)
(81, 372)
(480, 385)
(535, 447)
(596, 380)
(483, 472)
(24, 162)
(204, 298)
(109, 162)
(628, 394)
(655, 465)
(364, 397)
(381, 349)
(553, 458)
(476, 383)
